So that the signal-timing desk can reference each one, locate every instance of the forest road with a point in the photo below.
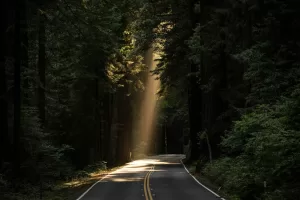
(161, 177)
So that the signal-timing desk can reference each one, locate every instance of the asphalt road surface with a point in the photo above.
(160, 177)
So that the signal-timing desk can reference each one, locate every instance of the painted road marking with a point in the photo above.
(201, 183)
(107, 175)
(147, 190)
(148, 185)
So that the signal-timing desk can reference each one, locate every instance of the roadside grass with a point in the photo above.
(72, 189)
(62, 190)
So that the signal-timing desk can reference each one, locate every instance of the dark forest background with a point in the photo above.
(72, 75)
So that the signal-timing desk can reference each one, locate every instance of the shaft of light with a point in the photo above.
(145, 125)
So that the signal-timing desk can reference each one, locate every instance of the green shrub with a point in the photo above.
(264, 146)
(101, 165)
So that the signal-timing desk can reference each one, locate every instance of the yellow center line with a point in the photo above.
(147, 190)
(145, 182)
(148, 185)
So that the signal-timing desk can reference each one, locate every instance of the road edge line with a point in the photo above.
(91, 187)
(83, 194)
(201, 183)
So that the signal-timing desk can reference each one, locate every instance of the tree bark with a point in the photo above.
(107, 122)
(113, 130)
(194, 98)
(97, 120)
(3, 111)
(5, 12)
(20, 4)
(24, 55)
(42, 69)
(209, 147)
(125, 131)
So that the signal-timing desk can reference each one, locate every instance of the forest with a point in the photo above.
(73, 75)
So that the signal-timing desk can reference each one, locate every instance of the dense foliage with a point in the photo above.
(229, 72)
(239, 60)
(72, 66)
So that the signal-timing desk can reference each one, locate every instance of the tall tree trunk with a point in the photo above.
(3, 111)
(24, 56)
(97, 121)
(20, 4)
(107, 121)
(165, 139)
(42, 69)
(194, 97)
(102, 129)
(194, 116)
(119, 143)
(124, 120)
(5, 12)
(114, 130)
(208, 146)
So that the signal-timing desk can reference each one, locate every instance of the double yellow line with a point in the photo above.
(147, 189)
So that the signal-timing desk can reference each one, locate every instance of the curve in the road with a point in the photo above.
(170, 180)
(92, 187)
(147, 189)
(201, 183)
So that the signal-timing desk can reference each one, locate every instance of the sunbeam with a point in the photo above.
(145, 125)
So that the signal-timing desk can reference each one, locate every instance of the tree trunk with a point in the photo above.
(120, 127)
(97, 120)
(113, 130)
(24, 56)
(42, 69)
(3, 112)
(209, 148)
(107, 121)
(102, 133)
(194, 97)
(17, 89)
(125, 131)
(165, 138)
(5, 12)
